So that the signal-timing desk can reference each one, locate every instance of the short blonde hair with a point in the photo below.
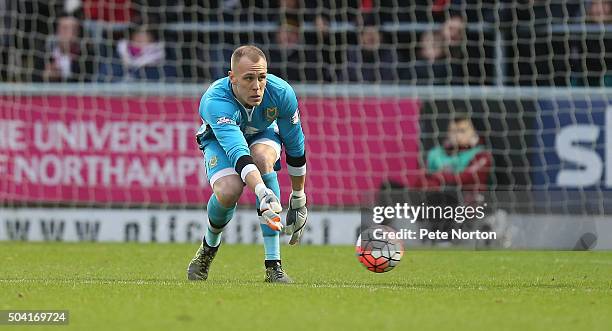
(252, 52)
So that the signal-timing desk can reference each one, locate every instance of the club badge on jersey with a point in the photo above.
(271, 113)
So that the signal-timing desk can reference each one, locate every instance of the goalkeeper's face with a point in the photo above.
(249, 80)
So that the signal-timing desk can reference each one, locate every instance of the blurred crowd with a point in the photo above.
(441, 42)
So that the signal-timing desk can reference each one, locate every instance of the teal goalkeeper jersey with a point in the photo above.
(231, 124)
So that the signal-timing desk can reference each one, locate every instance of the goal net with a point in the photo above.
(98, 104)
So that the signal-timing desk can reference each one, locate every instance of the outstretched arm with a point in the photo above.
(290, 130)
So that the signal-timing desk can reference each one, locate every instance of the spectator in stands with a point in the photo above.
(457, 172)
(442, 55)
(370, 61)
(600, 11)
(285, 56)
(320, 44)
(141, 57)
(432, 65)
(470, 53)
(592, 60)
(454, 33)
(325, 46)
(69, 58)
(33, 23)
(462, 161)
(453, 30)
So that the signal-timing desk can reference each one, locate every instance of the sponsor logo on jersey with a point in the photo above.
(295, 119)
(225, 120)
(271, 113)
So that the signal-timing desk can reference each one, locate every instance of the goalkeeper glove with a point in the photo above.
(270, 208)
(296, 218)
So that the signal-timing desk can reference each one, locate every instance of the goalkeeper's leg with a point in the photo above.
(265, 154)
(268, 161)
(227, 188)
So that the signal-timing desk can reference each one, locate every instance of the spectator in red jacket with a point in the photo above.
(462, 161)
(456, 172)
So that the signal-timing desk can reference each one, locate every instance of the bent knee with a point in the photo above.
(228, 190)
(264, 157)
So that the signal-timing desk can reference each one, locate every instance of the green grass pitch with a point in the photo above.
(143, 287)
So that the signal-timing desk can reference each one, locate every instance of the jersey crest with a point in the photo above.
(271, 113)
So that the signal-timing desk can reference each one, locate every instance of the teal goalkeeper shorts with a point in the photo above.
(218, 164)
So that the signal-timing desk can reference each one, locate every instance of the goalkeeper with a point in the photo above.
(245, 118)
